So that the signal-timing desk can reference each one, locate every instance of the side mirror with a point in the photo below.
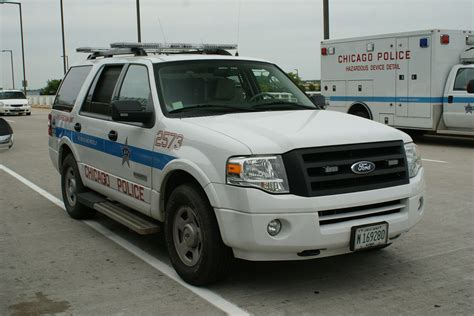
(130, 111)
(470, 86)
(319, 100)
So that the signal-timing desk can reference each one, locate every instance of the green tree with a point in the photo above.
(297, 80)
(51, 87)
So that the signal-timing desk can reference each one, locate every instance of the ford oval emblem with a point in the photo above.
(363, 167)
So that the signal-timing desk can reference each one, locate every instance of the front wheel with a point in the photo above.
(194, 243)
(71, 186)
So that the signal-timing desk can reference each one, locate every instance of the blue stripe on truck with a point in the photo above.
(402, 99)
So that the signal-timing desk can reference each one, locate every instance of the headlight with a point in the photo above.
(2, 104)
(263, 172)
(414, 160)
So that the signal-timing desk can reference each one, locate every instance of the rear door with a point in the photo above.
(419, 79)
(402, 80)
(458, 105)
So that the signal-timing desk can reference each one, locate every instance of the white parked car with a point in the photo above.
(14, 102)
(195, 138)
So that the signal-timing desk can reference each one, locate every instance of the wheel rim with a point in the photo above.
(71, 186)
(187, 236)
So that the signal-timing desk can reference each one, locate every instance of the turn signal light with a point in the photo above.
(324, 51)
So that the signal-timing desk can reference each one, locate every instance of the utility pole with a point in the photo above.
(24, 82)
(62, 33)
(11, 60)
(326, 18)
(138, 22)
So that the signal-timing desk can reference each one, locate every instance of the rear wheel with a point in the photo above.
(361, 113)
(71, 186)
(194, 243)
(29, 113)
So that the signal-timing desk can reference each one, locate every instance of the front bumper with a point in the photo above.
(15, 109)
(245, 229)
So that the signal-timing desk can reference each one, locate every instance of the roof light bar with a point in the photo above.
(173, 46)
(91, 49)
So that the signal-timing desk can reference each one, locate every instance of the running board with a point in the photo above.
(120, 213)
(455, 132)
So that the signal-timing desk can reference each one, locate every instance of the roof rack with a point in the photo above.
(142, 49)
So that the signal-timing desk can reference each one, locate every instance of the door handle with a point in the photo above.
(77, 127)
(450, 99)
(113, 135)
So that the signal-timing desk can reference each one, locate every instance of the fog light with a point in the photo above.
(274, 227)
(420, 204)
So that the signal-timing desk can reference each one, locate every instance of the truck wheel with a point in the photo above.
(361, 113)
(28, 113)
(71, 186)
(193, 239)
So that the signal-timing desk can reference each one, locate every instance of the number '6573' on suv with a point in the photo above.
(227, 157)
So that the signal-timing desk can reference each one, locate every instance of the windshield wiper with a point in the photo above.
(208, 106)
(284, 103)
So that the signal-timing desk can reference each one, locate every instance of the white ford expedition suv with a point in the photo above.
(228, 156)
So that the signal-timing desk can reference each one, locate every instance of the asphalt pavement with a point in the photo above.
(51, 264)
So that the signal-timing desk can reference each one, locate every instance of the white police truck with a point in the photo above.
(413, 80)
(191, 139)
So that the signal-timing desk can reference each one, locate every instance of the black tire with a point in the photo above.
(214, 259)
(29, 113)
(361, 113)
(71, 185)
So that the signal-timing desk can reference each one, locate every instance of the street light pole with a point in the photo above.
(11, 60)
(24, 83)
(62, 33)
(326, 18)
(138, 22)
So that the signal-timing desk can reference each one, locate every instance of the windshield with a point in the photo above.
(227, 86)
(5, 95)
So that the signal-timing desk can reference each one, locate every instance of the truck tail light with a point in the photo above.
(444, 39)
(324, 51)
(50, 127)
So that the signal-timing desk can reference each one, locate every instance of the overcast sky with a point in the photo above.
(287, 32)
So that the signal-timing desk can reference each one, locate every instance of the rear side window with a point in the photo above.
(100, 96)
(70, 87)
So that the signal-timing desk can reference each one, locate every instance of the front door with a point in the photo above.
(458, 105)
(123, 156)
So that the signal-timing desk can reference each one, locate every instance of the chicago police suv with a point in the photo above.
(230, 155)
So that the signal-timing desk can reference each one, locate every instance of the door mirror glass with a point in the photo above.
(470, 87)
(130, 111)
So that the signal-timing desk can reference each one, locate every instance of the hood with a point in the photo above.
(281, 131)
(14, 101)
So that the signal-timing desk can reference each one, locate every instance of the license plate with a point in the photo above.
(369, 236)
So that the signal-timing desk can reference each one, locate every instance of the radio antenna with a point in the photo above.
(161, 29)
(238, 27)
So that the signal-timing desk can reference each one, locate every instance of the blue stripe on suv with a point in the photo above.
(138, 155)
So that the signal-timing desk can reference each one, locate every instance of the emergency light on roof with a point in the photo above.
(444, 39)
(173, 46)
(424, 42)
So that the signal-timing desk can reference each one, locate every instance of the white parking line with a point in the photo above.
(11, 121)
(432, 160)
(213, 298)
